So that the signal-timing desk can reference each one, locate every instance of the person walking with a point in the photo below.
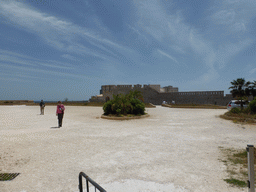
(60, 113)
(42, 105)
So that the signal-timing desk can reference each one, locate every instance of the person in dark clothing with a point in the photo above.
(42, 105)
(60, 113)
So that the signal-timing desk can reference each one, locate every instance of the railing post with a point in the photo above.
(88, 180)
(250, 157)
(87, 185)
(80, 186)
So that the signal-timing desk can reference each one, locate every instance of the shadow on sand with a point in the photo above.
(55, 127)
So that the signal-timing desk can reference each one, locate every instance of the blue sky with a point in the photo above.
(57, 49)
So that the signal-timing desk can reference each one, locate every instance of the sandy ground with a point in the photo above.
(172, 150)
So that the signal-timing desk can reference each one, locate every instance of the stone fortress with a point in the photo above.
(156, 94)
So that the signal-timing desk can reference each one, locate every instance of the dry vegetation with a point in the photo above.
(195, 106)
(237, 167)
(240, 118)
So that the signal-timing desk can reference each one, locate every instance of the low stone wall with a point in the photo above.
(150, 105)
(166, 105)
(193, 98)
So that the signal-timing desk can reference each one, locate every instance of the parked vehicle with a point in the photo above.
(236, 103)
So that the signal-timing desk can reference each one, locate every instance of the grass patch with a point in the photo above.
(96, 104)
(130, 115)
(15, 102)
(121, 115)
(236, 164)
(8, 176)
(236, 182)
(197, 106)
(240, 117)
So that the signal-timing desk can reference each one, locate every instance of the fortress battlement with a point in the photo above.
(154, 93)
(158, 88)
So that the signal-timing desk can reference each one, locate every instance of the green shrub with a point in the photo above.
(235, 110)
(252, 106)
(125, 104)
(139, 109)
(107, 108)
(246, 110)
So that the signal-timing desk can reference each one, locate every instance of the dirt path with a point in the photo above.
(172, 150)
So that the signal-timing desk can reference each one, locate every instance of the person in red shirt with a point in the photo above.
(60, 113)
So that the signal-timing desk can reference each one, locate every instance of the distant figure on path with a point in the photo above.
(60, 113)
(42, 105)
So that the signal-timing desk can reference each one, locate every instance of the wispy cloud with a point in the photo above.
(18, 76)
(165, 28)
(59, 33)
(252, 71)
(12, 58)
(184, 38)
(17, 67)
(224, 17)
(231, 19)
(67, 56)
(167, 55)
(43, 72)
(181, 37)
(229, 51)
(137, 32)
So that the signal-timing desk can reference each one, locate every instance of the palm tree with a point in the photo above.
(252, 88)
(240, 89)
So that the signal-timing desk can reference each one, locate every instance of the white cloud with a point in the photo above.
(252, 71)
(165, 28)
(18, 76)
(224, 17)
(56, 32)
(239, 26)
(167, 55)
(228, 51)
(39, 71)
(151, 18)
(173, 30)
(17, 59)
(5, 52)
(67, 56)
(137, 32)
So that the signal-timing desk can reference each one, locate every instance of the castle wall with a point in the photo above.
(154, 94)
(155, 87)
(204, 97)
(169, 89)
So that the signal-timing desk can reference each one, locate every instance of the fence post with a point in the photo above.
(250, 157)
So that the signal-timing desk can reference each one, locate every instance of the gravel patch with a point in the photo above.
(172, 150)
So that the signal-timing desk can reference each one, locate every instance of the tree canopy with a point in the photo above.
(240, 89)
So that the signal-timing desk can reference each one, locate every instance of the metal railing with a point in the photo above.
(88, 180)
